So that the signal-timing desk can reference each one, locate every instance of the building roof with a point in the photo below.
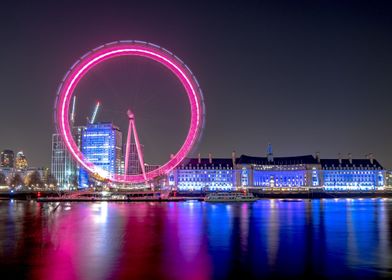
(102, 125)
(295, 160)
(204, 162)
(307, 159)
(334, 163)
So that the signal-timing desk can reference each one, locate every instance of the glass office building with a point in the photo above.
(101, 144)
(63, 167)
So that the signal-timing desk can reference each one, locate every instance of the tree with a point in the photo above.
(74, 181)
(33, 179)
(51, 180)
(16, 180)
(3, 179)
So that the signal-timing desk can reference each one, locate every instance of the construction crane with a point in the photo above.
(94, 114)
(73, 110)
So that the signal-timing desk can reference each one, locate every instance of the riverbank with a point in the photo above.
(135, 199)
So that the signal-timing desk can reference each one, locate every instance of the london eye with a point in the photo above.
(150, 51)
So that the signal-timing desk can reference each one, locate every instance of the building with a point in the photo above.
(283, 173)
(101, 145)
(353, 174)
(204, 174)
(7, 172)
(271, 171)
(10, 173)
(18, 166)
(388, 179)
(63, 166)
(21, 161)
(7, 158)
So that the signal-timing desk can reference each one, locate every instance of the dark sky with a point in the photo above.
(306, 76)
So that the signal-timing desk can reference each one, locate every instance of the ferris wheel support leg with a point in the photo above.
(139, 151)
(127, 148)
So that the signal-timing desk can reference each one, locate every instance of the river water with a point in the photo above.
(271, 238)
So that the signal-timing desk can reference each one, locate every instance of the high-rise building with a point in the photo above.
(63, 167)
(101, 145)
(21, 161)
(77, 132)
(7, 158)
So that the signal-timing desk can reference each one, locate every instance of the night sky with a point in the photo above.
(306, 76)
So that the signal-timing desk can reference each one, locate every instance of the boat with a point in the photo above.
(291, 200)
(230, 197)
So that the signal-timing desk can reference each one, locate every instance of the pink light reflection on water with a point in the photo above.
(195, 240)
(188, 246)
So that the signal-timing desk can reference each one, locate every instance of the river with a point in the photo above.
(271, 238)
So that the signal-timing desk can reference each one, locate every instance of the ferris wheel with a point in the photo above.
(130, 48)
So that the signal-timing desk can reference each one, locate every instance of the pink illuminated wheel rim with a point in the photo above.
(126, 48)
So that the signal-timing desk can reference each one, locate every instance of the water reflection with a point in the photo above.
(195, 240)
(272, 236)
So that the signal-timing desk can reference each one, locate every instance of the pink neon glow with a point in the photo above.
(138, 49)
(139, 151)
(128, 145)
(132, 127)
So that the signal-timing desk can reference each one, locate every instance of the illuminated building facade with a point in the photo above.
(388, 179)
(101, 145)
(7, 158)
(353, 174)
(204, 174)
(63, 167)
(21, 161)
(268, 171)
(23, 173)
(280, 172)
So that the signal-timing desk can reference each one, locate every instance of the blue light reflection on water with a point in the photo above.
(197, 240)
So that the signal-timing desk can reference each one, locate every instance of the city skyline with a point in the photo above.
(303, 87)
(196, 139)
